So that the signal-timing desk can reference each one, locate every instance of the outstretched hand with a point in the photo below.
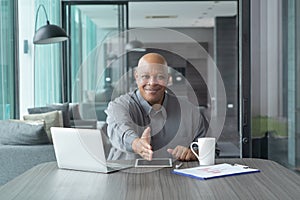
(142, 145)
(182, 153)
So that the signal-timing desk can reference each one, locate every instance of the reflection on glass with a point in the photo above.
(94, 29)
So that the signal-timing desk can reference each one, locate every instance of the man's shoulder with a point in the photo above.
(179, 99)
(127, 98)
(182, 103)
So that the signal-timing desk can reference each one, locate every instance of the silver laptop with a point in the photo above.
(81, 149)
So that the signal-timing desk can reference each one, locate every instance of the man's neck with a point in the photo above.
(156, 107)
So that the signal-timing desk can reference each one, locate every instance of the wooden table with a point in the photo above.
(46, 181)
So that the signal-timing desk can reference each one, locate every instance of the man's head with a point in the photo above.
(151, 77)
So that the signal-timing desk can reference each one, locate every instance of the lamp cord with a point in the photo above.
(37, 12)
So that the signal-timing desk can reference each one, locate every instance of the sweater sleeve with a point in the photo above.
(121, 128)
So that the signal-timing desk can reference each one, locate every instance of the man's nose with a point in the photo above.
(153, 80)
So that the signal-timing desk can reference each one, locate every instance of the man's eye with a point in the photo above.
(145, 76)
(161, 77)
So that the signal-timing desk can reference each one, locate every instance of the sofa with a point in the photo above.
(16, 159)
(26, 143)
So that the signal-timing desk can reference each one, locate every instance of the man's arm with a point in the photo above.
(120, 130)
(123, 132)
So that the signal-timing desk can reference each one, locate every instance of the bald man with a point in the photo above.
(150, 122)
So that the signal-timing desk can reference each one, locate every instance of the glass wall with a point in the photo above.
(83, 41)
(275, 71)
(94, 63)
(8, 65)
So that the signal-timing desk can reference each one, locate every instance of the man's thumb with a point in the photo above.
(146, 134)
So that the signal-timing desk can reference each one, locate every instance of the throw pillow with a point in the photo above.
(62, 107)
(51, 119)
(74, 111)
(17, 132)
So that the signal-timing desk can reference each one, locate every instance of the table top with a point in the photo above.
(46, 181)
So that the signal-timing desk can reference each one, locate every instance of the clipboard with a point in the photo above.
(215, 171)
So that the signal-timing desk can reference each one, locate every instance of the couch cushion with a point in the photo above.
(62, 107)
(89, 124)
(17, 132)
(52, 119)
(74, 111)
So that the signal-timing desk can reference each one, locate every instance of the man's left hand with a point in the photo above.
(182, 153)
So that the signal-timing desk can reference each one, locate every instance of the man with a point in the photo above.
(151, 122)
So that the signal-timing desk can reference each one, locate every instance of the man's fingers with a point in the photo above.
(147, 154)
(181, 153)
(170, 151)
(175, 152)
(145, 144)
(190, 155)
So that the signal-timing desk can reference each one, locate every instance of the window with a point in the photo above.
(91, 54)
(8, 66)
(275, 81)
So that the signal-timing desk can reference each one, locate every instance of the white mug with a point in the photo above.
(206, 150)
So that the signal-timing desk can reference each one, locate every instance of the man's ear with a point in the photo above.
(136, 76)
(170, 80)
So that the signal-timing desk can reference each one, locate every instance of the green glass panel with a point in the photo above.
(7, 63)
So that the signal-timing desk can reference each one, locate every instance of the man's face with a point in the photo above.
(152, 80)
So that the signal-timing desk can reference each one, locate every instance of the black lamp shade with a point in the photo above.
(49, 34)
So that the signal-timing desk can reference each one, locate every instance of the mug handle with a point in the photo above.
(191, 147)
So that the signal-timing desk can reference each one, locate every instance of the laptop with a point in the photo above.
(82, 149)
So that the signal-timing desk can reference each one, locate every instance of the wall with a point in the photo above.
(26, 32)
(200, 35)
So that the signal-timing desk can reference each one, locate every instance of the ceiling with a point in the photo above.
(162, 14)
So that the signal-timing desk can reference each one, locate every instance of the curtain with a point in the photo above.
(47, 59)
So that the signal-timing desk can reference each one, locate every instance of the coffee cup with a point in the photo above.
(206, 150)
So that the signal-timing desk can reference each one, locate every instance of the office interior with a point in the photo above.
(253, 44)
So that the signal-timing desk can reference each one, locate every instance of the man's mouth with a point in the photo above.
(151, 90)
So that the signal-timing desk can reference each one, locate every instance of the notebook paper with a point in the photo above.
(214, 171)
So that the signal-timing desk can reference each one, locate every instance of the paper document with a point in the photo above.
(215, 171)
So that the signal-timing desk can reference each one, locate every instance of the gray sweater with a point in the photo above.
(129, 115)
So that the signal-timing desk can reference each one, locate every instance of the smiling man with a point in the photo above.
(151, 77)
(151, 122)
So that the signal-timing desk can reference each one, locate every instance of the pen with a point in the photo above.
(243, 166)
(178, 166)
